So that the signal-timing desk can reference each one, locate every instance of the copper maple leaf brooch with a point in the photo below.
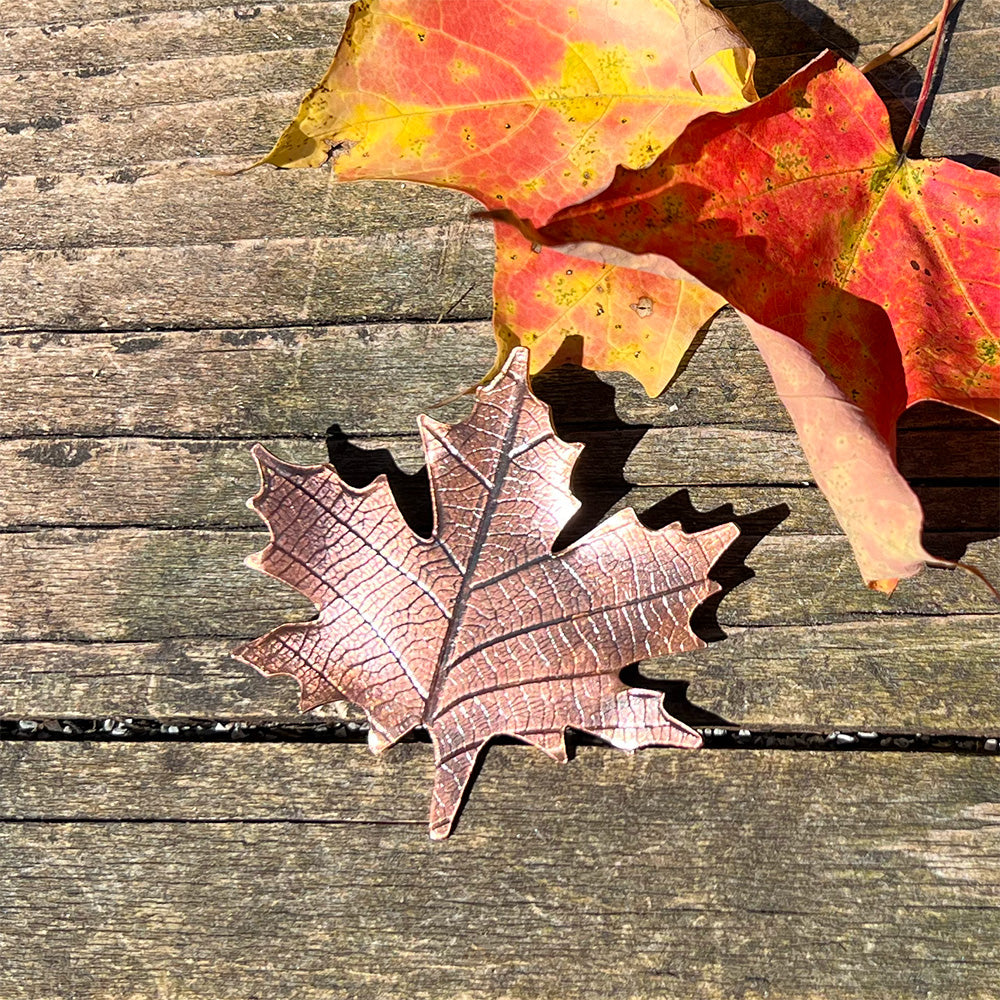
(480, 630)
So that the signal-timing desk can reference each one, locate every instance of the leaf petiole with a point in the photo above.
(925, 90)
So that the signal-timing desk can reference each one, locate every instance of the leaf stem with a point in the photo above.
(925, 90)
(969, 568)
(901, 48)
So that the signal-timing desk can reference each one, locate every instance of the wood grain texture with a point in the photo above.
(928, 674)
(191, 483)
(422, 273)
(251, 871)
(113, 623)
(136, 583)
(296, 381)
(109, 116)
(155, 593)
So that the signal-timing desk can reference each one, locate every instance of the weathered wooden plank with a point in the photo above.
(297, 381)
(129, 584)
(242, 126)
(293, 381)
(964, 126)
(188, 483)
(666, 875)
(194, 203)
(119, 38)
(246, 126)
(417, 273)
(175, 84)
(41, 13)
(89, 90)
(928, 674)
(176, 33)
(786, 36)
(922, 674)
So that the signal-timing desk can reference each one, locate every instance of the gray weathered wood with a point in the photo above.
(194, 203)
(156, 315)
(191, 483)
(134, 583)
(250, 871)
(263, 382)
(420, 273)
(178, 90)
(371, 379)
(904, 674)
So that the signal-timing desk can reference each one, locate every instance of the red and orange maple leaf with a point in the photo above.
(479, 630)
(869, 280)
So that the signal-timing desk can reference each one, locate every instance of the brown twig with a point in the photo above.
(969, 568)
(901, 48)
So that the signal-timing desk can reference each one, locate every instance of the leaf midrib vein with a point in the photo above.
(443, 664)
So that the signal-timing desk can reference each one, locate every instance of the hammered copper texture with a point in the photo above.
(480, 630)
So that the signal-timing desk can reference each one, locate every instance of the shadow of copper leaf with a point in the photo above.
(358, 466)
(731, 569)
(583, 411)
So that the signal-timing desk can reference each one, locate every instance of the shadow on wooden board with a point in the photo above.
(788, 35)
(952, 460)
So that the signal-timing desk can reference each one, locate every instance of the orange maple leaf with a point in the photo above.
(529, 105)
(869, 280)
